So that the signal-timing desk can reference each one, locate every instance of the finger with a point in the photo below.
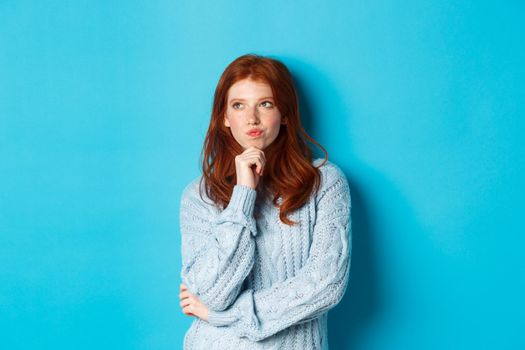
(257, 161)
(260, 154)
(263, 156)
(184, 295)
(188, 309)
(184, 303)
(187, 313)
(252, 151)
(183, 287)
(260, 166)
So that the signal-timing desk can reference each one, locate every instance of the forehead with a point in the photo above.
(249, 88)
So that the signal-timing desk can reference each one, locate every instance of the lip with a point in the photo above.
(254, 132)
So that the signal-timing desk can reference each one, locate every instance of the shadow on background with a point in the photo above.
(362, 300)
(366, 296)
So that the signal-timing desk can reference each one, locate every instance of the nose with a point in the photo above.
(253, 116)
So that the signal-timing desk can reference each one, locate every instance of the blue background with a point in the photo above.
(103, 110)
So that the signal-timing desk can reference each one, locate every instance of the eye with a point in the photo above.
(236, 105)
(267, 104)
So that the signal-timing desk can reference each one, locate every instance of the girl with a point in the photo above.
(266, 229)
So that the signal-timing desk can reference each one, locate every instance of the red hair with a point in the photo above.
(289, 172)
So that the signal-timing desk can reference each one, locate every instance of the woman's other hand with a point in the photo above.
(244, 164)
(191, 305)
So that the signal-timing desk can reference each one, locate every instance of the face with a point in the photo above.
(251, 107)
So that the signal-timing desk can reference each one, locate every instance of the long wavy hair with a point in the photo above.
(289, 173)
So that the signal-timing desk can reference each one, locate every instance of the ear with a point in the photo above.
(226, 122)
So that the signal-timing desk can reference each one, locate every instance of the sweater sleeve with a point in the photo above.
(217, 250)
(317, 287)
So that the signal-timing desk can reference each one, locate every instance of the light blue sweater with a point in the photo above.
(267, 285)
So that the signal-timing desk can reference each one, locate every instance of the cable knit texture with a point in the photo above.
(267, 285)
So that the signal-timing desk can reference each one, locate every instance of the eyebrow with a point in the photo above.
(262, 98)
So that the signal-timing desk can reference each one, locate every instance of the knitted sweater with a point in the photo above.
(267, 285)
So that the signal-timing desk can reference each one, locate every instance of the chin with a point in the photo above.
(255, 143)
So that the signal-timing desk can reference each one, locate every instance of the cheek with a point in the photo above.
(275, 124)
(234, 124)
(237, 129)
